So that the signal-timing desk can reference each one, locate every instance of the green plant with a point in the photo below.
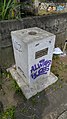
(8, 9)
(16, 87)
(33, 101)
(33, 1)
(8, 114)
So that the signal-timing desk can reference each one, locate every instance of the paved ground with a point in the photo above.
(50, 104)
(63, 115)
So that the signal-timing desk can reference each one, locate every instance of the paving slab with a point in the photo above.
(30, 90)
(46, 106)
(63, 115)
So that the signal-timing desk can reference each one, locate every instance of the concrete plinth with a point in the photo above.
(32, 89)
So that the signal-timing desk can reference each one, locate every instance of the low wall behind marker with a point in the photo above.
(55, 23)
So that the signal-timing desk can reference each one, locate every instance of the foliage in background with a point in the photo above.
(9, 9)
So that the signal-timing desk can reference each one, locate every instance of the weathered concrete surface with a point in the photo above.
(58, 104)
(7, 57)
(63, 115)
(30, 90)
(50, 105)
(32, 49)
(55, 23)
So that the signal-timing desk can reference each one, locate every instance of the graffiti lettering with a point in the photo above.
(41, 68)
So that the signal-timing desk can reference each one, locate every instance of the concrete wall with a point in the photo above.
(55, 23)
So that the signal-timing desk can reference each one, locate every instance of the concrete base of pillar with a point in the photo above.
(30, 90)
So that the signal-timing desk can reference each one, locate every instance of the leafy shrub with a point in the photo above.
(9, 9)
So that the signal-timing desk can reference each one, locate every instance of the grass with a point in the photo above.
(4, 74)
(16, 87)
(8, 9)
(34, 101)
(8, 114)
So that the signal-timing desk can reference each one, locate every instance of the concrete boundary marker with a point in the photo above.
(33, 89)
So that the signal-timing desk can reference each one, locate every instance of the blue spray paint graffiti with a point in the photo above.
(41, 68)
